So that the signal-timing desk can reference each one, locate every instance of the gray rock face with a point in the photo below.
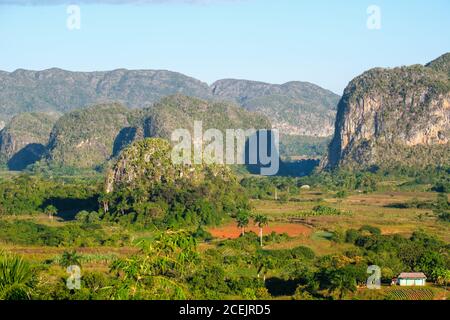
(89, 137)
(62, 91)
(295, 108)
(393, 117)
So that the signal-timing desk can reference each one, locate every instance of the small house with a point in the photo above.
(407, 279)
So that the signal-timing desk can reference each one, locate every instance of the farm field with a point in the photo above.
(402, 293)
(229, 231)
(376, 209)
(308, 237)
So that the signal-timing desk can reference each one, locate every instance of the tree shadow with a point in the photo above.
(123, 139)
(28, 155)
(69, 207)
(299, 168)
(279, 287)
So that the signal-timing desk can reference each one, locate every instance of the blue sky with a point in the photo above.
(326, 42)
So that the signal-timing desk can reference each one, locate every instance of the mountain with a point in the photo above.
(295, 108)
(179, 111)
(394, 117)
(159, 193)
(147, 163)
(85, 138)
(89, 137)
(64, 91)
(24, 139)
(441, 64)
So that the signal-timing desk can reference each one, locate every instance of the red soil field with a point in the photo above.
(231, 231)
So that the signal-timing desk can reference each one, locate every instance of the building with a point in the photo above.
(406, 279)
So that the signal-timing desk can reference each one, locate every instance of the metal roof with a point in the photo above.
(412, 275)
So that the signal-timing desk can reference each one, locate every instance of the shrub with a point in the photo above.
(202, 234)
(351, 235)
(371, 229)
(16, 278)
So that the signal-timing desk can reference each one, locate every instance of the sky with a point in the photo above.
(326, 42)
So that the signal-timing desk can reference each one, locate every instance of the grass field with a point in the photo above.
(358, 209)
(379, 209)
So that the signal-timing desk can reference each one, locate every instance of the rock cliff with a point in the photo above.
(394, 117)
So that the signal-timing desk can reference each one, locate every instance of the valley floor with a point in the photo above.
(384, 210)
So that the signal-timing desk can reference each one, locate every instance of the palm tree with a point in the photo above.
(261, 221)
(51, 211)
(265, 264)
(342, 283)
(122, 206)
(242, 220)
(16, 277)
(105, 199)
(70, 258)
(170, 256)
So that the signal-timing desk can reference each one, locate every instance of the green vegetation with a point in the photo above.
(411, 294)
(368, 137)
(106, 197)
(85, 138)
(28, 194)
(24, 139)
(63, 91)
(271, 187)
(145, 188)
(303, 146)
(420, 253)
(322, 210)
(70, 258)
(16, 278)
(441, 64)
(179, 111)
(188, 262)
(299, 108)
(69, 235)
(242, 220)
(261, 221)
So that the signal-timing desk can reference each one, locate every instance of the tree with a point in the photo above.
(82, 216)
(158, 269)
(264, 265)
(50, 211)
(367, 182)
(70, 258)
(442, 276)
(261, 221)
(302, 293)
(442, 202)
(431, 263)
(105, 200)
(16, 278)
(341, 194)
(242, 220)
(342, 282)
